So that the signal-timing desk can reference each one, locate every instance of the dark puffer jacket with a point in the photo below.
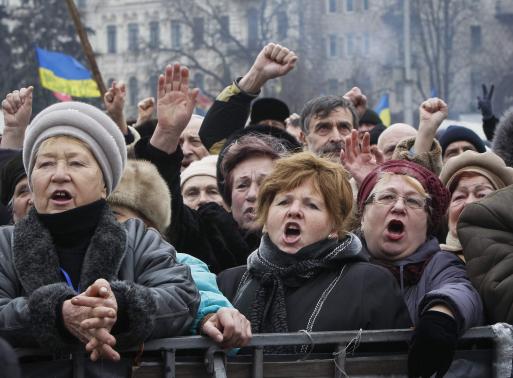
(485, 231)
(156, 295)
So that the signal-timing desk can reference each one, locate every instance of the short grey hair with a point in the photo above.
(324, 105)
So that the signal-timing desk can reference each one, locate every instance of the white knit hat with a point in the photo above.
(203, 167)
(86, 123)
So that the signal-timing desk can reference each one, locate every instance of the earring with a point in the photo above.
(333, 236)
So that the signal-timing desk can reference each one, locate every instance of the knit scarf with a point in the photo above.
(275, 270)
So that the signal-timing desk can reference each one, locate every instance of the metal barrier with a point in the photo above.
(355, 353)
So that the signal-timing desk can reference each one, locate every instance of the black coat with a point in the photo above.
(348, 294)
(209, 233)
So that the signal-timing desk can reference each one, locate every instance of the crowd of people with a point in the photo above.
(326, 220)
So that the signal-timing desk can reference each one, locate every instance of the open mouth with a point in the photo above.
(395, 229)
(292, 232)
(61, 196)
(249, 212)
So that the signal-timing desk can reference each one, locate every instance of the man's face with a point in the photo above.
(326, 134)
(190, 143)
(457, 148)
(21, 200)
(392, 136)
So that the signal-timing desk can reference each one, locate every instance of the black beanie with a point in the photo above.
(459, 133)
(10, 174)
(371, 117)
(268, 108)
(288, 141)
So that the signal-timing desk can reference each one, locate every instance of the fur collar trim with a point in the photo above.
(36, 261)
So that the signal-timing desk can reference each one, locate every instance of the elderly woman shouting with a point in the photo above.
(400, 204)
(69, 271)
(308, 272)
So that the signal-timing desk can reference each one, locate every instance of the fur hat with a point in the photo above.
(430, 182)
(503, 138)
(486, 164)
(143, 190)
(459, 133)
(86, 123)
(203, 167)
(269, 108)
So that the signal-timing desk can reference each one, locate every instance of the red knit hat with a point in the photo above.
(438, 193)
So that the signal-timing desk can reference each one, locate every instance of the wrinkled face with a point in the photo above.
(21, 200)
(65, 175)
(470, 188)
(247, 177)
(394, 230)
(190, 143)
(326, 134)
(391, 138)
(199, 190)
(457, 148)
(298, 218)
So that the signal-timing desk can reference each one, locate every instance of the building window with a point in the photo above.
(349, 5)
(133, 37)
(133, 91)
(332, 46)
(283, 24)
(199, 81)
(366, 43)
(332, 6)
(224, 22)
(350, 44)
(252, 27)
(475, 37)
(111, 39)
(154, 81)
(154, 35)
(475, 87)
(333, 86)
(365, 4)
(176, 34)
(198, 31)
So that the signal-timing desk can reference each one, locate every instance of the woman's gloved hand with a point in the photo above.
(432, 345)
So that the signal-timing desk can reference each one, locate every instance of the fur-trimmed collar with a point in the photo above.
(36, 260)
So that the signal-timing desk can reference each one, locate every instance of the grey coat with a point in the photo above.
(155, 294)
(444, 281)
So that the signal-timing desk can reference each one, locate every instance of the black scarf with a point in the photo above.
(274, 270)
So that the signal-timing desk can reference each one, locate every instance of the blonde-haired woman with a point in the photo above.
(308, 272)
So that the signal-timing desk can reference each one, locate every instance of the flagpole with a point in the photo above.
(86, 46)
(408, 92)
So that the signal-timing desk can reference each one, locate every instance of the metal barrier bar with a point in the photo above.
(169, 364)
(258, 362)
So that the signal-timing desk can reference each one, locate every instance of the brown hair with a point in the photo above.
(247, 147)
(329, 179)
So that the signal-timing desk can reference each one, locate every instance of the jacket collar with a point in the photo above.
(36, 261)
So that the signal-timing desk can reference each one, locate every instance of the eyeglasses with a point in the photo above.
(412, 201)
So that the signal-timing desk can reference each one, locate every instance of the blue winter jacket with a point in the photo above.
(211, 298)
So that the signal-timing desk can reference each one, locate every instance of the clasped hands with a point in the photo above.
(90, 317)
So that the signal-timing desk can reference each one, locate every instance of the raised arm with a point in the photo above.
(231, 108)
(17, 109)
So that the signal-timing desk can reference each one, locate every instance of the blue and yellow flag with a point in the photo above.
(383, 110)
(63, 73)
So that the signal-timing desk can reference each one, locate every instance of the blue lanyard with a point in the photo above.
(68, 281)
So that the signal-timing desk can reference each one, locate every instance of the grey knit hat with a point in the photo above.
(86, 123)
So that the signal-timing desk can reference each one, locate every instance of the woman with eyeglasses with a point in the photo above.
(471, 177)
(400, 204)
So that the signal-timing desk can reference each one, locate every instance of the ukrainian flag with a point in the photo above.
(63, 73)
(383, 110)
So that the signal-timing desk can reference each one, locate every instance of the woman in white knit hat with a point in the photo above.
(70, 274)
